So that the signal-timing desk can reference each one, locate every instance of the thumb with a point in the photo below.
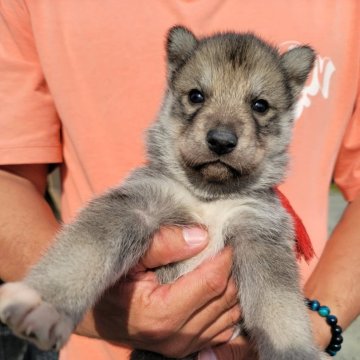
(172, 244)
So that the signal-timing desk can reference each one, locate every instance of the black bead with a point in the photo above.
(334, 347)
(336, 330)
(331, 320)
(336, 340)
(331, 353)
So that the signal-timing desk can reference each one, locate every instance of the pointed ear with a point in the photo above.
(181, 42)
(297, 64)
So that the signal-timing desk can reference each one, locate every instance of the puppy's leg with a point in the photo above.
(265, 269)
(107, 239)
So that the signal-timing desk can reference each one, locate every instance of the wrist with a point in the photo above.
(87, 326)
(324, 313)
(334, 300)
(321, 331)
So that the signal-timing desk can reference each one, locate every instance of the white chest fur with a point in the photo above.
(216, 217)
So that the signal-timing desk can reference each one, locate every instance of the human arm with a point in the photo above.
(27, 223)
(334, 281)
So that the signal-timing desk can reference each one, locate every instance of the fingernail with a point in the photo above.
(194, 235)
(207, 354)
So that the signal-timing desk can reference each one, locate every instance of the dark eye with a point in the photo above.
(196, 96)
(261, 106)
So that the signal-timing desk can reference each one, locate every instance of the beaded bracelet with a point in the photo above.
(331, 320)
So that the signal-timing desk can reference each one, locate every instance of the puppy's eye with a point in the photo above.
(196, 96)
(261, 106)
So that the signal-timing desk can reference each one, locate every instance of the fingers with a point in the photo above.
(172, 244)
(207, 354)
(239, 348)
(197, 288)
(220, 332)
(220, 314)
(222, 329)
(222, 338)
(167, 318)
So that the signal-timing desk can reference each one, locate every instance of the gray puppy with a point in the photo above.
(215, 154)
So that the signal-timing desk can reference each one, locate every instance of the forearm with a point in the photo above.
(335, 281)
(27, 225)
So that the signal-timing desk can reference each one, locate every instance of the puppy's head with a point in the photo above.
(226, 121)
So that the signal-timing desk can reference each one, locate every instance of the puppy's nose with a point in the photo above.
(221, 140)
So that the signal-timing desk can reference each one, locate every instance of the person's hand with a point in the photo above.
(237, 349)
(196, 311)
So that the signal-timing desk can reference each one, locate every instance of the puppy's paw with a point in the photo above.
(30, 318)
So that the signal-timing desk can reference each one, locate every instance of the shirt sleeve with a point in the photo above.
(347, 169)
(29, 125)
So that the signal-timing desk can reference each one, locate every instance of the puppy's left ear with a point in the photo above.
(297, 64)
(181, 43)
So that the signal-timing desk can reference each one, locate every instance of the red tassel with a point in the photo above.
(303, 245)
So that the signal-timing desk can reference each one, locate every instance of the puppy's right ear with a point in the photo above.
(181, 43)
(297, 64)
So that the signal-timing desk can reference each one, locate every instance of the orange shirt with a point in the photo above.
(81, 80)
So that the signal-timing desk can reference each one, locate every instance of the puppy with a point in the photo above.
(215, 154)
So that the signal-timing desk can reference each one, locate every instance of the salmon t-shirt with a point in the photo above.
(81, 80)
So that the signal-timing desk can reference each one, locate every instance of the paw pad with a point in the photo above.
(37, 321)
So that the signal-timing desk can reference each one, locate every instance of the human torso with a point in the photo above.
(104, 64)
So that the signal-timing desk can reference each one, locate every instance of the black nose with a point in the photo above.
(221, 141)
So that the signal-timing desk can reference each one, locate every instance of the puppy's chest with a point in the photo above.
(216, 216)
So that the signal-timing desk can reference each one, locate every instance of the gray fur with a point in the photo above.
(186, 183)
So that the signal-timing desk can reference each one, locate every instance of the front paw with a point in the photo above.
(24, 312)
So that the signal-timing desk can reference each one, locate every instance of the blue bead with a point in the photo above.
(324, 311)
(314, 305)
(331, 320)
(331, 353)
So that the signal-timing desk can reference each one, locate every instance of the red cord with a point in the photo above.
(303, 243)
